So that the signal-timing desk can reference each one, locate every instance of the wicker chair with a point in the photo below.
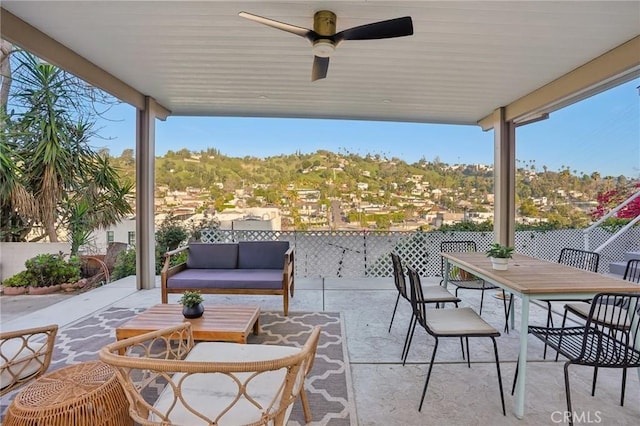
(592, 344)
(25, 355)
(170, 380)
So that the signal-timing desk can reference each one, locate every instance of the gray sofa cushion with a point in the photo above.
(262, 254)
(227, 278)
(212, 256)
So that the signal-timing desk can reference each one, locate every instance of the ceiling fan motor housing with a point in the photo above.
(324, 24)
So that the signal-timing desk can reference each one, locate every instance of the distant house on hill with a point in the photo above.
(122, 232)
(446, 218)
(257, 218)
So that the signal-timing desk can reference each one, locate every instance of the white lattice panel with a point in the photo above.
(353, 254)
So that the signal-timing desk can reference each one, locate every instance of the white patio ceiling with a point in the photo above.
(464, 60)
(493, 63)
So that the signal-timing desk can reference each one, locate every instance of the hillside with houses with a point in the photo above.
(327, 191)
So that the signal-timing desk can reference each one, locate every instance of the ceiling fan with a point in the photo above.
(324, 38)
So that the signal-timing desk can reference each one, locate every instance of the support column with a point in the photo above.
(145, 182)
(504, 169)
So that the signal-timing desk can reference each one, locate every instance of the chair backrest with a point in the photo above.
(169, 380)
(613, 344)
(632, 271)
(417, 297)
(25, 355)
(455, 247)
(581, 259)
(398, 275)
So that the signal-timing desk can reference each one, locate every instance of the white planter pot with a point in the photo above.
(499, 264)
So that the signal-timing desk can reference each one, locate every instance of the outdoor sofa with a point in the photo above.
(246, 267)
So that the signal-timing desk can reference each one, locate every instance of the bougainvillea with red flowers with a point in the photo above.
(610, 199)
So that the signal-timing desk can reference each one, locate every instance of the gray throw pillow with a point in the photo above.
(212, 256)
(262, 254)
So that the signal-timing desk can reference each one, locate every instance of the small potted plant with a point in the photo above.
(499, 255)
(192, 304)
(461, 274)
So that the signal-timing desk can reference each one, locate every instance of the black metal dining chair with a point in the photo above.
(434, 294)
(592, 344)
(450, 322)
(459, 278)
(581, 259)
(464, 280)
(582, 310)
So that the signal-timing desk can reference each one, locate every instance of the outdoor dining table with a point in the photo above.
(530, 279)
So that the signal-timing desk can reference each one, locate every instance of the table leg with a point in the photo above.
(512, 311)
(256, 326)
(447, 266)
(522, 362)
(633, 306)
(119, 337)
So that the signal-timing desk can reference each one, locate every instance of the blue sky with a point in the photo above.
(600, 134)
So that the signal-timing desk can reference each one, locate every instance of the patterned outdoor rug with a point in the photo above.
(328, 385)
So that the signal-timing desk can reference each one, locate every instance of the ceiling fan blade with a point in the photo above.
(398, 27)
(320, 67)
(302, 32)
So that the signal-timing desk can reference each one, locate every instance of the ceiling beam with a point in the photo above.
(611, 69)
(20, 33)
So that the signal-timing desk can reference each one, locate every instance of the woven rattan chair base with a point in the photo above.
(86, 394)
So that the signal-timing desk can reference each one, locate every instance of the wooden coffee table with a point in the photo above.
(218, 323)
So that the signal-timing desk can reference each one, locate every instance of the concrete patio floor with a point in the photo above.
(385, 391)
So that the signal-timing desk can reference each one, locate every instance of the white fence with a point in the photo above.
(366, 253)
(357, 254)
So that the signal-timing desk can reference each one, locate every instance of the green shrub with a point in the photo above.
(191, 298)
(170, 234)
(614, 224)
(47, 269)
(21, 279)
(125, 264)
(175, 259)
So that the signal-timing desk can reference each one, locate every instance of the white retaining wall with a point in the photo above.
(13, 255)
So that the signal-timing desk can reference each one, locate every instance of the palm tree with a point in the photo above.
(48, 160)
(16, 202)
(6, 49)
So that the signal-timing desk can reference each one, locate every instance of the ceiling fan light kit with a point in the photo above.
(324, 38)
(323, 48)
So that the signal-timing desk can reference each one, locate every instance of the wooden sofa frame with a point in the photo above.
(287, 280)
